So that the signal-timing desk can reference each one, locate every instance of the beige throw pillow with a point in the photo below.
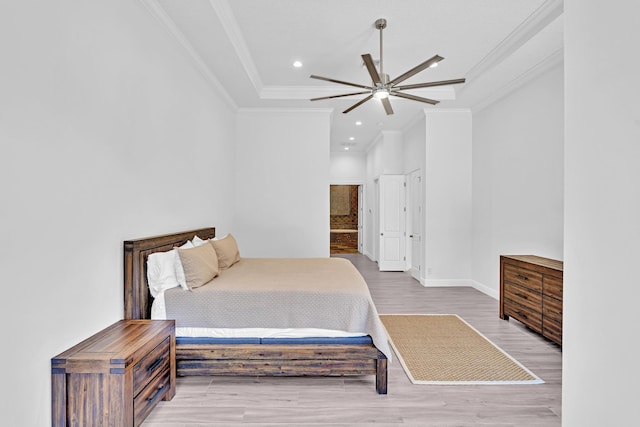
(227, 251)
(200, 265)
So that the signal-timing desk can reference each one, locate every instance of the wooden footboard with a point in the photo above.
(283, 360)
(243, 359)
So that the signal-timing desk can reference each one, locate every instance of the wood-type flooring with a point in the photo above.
(342, 402)
(338, 248)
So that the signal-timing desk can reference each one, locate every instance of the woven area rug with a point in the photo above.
(444, 349)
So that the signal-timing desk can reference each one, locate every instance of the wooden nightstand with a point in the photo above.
(116, 377)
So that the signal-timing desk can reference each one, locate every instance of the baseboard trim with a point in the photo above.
(436, 283)
(461, 283)
(493, 293)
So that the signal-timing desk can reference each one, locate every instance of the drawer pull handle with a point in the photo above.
(157, 393)
(522, 295)
(155, 364)
(520, 276)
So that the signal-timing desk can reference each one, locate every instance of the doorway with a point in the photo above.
(344, 220)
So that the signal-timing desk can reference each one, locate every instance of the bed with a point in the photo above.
(363, 354)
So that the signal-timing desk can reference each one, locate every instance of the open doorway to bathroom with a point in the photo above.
(344, 219)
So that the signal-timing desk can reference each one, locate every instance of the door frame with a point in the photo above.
(412, 194)
(362, 238)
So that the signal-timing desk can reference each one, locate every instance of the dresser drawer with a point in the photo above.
(523, 277)
(155, 391)
(552, 309)
(529, 317)
(553, 287)
(523, 296)
(149, 366)
(552, 330)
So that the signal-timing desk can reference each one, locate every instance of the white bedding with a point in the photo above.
(158, 312)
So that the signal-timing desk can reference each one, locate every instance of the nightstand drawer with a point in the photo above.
(523, 277)
(155, 391)
(149, 366)
(115, 377)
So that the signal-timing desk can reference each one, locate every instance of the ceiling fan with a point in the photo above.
(382, 87)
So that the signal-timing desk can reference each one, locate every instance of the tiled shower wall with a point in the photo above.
(347, 222)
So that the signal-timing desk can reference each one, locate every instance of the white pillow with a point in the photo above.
(182, 281)
(161, 272)
(197, 241)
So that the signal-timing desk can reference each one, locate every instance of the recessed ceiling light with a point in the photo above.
(358, 123)
(297, 64)
(351, 138)
(346, 148)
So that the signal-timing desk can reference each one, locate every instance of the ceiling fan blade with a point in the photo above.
(357, 104)
(371, 67)
(387, 106)
(415, 70)
(430, 84)
(415, 98)
(339, 96)
(340, 82)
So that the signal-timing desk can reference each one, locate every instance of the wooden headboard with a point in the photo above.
(137, 298)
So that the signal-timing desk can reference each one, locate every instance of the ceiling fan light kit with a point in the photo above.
(382, 88)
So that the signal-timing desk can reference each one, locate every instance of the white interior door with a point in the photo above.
(414, 231)
(392, 223)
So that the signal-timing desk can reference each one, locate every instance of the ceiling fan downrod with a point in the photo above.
(381, 24)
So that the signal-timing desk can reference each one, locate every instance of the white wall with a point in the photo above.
(347, 167)
(374, 165)
(602, 212)
(391, 154)
(518, 177)
(447, 186)
(415, 158)
(282, 183)
(106, 134)
(414, 147)
(383, 157)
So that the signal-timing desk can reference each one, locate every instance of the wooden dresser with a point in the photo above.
(531, 292)
(116, 377)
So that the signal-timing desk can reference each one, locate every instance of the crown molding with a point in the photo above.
(539, 19)
(285, 110)
(556, 58)
(230, 26)
(163, 18)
